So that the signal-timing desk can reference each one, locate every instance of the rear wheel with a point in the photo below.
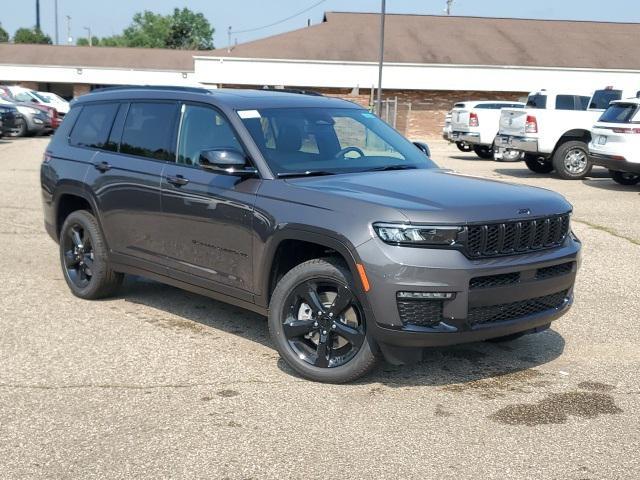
(625, 178)
(83, 255)
(484, 152)
(318, 325)
(463, 147)
(538, 164)
(571, 160)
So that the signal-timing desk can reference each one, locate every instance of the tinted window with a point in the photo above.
(203, 128)
(498, 106)
(149, 130)
(537, 101)
(619, 113)
(584, 102)
(459, 105)
(602, 98)
(93, 125)
(565, 102)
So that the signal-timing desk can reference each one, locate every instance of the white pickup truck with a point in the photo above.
(554, 130)
(475, 124)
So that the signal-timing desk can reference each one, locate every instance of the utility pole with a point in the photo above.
(383, 13)
(37, 14)
(55, 8)
(88, 29)
(448, 7)
(229, 39)
(69, 37)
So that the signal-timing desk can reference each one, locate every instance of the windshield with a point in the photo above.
(602, 98)
(619, 113)
(329, 141)
(42, 98)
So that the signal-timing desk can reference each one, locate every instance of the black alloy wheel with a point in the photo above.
(323, 324)
(78, 255)
(318, 325)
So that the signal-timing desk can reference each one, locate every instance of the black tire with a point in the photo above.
(23, 131)
(624, 178)
(571, 160)
(300, 350)
(463, 147)
(83, 257)
(484, 152)
(538, 164)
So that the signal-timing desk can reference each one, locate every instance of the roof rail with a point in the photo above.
(153, 87)
(299, 91)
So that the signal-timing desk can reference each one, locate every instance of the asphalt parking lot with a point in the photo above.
(160, 383)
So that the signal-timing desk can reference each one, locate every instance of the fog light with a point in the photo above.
(427, 295)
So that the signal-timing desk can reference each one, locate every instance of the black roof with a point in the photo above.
(237, 99)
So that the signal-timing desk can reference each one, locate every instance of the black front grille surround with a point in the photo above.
(421, 313)
(514, 237)
(491, 281)
(554, 271)
(515, 310)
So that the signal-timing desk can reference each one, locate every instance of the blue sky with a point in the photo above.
(111, 16)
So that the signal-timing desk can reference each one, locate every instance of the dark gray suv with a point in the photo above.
(306, 209)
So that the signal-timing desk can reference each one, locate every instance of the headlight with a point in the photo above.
(417, 234)
(27, 110)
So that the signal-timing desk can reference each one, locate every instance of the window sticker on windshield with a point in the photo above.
(244, 114)
(368, 115)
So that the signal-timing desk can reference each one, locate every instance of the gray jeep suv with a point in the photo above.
(306, 209)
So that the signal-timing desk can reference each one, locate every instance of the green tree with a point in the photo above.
(84, 42)
(113, 41)
(148, 30)
(31, 35)
(189, 31)
(4, 36)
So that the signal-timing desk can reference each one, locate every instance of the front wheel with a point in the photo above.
(484, 152)
(624, 178)
(318, 325)
(538, 164)
(463, 147)
(571, 160)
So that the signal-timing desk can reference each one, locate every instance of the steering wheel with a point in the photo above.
(342, 153)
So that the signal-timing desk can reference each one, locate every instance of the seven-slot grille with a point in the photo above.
(516, 237)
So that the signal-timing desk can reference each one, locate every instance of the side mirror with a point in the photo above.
(225, 161)
(424, 148)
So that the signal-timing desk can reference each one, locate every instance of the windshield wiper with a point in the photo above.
(307, 173)
(388, 168)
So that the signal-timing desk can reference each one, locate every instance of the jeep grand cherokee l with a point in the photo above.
(309, 210)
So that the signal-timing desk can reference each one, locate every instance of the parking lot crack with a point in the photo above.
(608, 230)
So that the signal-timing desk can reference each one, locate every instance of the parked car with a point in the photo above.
(446, 129)
(12, 120)
(554, 130)
(307, 209)
(615, 141)
(36, 121)
(476, 124)
(55, 101)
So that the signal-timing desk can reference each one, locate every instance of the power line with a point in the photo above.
(281, 21)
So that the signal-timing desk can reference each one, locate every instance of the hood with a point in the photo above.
(439, 196)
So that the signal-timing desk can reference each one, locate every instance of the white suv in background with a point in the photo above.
(615, 141)
(22, 94)
(476, 124)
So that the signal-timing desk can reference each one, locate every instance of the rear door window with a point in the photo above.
(537, 101)
(602, 98)
(93, 125)
(149, 130)
(620, 113)
(565, 102)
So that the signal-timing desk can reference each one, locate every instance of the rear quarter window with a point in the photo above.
(565, 102)
(93, 125)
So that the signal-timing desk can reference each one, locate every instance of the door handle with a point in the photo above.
(178, 180)
(102, 166)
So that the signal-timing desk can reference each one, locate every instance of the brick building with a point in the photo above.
(430, 62)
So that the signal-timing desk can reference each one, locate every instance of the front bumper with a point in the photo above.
(472, 138)
(615, 163)
(524, 144)
(396, 269)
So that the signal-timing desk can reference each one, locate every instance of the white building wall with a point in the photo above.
(320, 74)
